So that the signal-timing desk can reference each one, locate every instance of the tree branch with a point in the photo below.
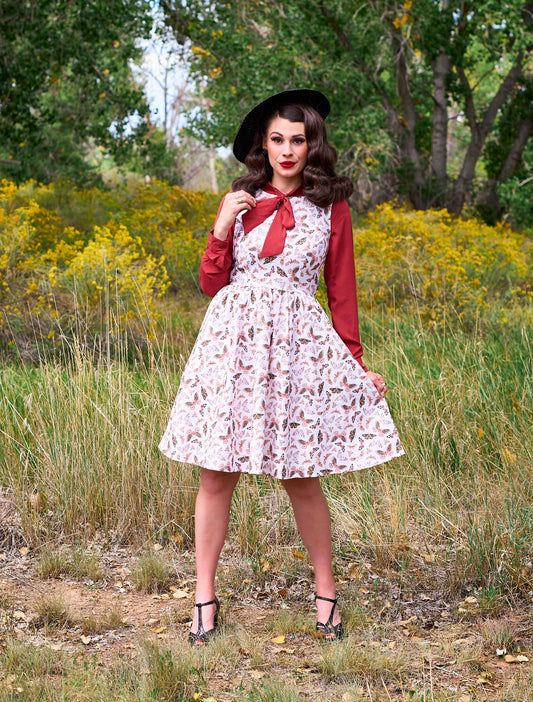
(345, 41)
(480, 134)
(470, 108)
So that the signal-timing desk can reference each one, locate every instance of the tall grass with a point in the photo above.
(84, 439)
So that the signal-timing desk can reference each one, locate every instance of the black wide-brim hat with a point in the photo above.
(246, 132)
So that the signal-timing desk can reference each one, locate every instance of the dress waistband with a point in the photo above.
(270, 284)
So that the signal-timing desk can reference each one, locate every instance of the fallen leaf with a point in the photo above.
(428, 557)
(411, 620)
(285, 650)
(470, 600)
(257, 674)
(86, 640)
(516, 659)
(501, 651)
(482, 680)
(24, 551)
(266, 565)
(438, 661)
(180, 594)
(159, 629)
(353, 571)
(299, 554)
(56, 647)
(19, 615)
(165, 596)
(278, 639)
(157, 547)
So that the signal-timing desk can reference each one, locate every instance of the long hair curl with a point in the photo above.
(320, 183)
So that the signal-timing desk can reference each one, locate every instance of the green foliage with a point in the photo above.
(516, 196)
(377, 63)
(66, 83)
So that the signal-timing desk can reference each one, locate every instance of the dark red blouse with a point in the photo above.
(339, 275)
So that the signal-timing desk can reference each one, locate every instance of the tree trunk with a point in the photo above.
(439, 138)
(212, 169)
(489, 199)
(479, 131)
(409, 120)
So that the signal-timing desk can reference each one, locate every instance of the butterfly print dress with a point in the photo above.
(271, 386)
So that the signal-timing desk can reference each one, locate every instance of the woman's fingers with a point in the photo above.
(379, 383)
(233, 204)
(241, 200)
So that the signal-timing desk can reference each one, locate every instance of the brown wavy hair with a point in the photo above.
(320, 183)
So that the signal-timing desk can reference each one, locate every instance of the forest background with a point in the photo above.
(106, 197)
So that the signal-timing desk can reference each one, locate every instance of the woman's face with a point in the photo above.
(286, 146)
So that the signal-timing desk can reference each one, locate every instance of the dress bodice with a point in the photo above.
(301, 261)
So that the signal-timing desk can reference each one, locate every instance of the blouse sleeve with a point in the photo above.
(217, 261)
(339, 274)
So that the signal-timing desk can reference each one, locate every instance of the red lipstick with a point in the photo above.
(287, 164)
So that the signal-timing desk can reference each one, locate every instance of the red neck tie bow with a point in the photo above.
(284, 219)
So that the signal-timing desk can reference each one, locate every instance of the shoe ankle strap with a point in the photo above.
(204, 604)
(326, 599)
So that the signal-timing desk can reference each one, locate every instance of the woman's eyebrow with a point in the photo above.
(292, 135)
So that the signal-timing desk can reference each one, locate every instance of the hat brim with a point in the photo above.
(244, 138)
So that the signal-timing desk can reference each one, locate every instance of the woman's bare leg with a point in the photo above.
(313, 519)
(211, 525)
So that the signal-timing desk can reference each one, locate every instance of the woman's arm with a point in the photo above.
(339, 274)
(217, 260)
(216, 264)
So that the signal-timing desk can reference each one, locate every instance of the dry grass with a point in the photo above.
(450, 522)
(77, 563)
(151, 573)
(52, 612)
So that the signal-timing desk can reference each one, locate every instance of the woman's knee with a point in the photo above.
(303, 488)
(215, 482)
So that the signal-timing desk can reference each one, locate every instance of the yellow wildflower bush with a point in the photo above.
(446, 265)
(73, 259)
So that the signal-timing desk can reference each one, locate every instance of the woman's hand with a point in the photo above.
(379, 382)
(233, 204)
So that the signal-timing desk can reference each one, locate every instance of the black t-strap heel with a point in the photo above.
(331, 631)
(201, 636)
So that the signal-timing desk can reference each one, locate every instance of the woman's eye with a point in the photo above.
(299, 140)
(276, 140)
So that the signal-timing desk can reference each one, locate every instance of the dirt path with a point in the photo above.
(447, 646)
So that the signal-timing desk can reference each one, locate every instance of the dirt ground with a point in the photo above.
(470, 648)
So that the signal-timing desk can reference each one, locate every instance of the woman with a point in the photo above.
(271, 387)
